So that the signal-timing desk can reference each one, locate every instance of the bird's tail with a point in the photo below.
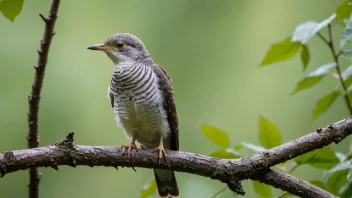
(166, 183)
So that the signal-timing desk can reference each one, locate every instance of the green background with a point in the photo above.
(211, 50)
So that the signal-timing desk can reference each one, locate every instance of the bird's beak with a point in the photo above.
(97, 47)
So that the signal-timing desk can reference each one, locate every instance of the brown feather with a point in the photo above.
(169, 104)
(166, 180)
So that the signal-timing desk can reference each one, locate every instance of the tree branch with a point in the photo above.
(256, 167)
(34, 97)
(291, 184)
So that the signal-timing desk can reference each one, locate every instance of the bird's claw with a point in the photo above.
(160, 149)
(129, 148)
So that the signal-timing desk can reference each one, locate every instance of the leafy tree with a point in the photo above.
(336, 167)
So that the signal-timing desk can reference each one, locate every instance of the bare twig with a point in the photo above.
(330, 44)
(34, 97)
(219, 193)
(256, 167)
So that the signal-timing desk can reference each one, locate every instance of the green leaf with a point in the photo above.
(148, 189)
(347, 34)
(349, 93)
(262, 190)
(281, 51)
(288, 166)
(238, 147)
(336, 180)
(347, 76)
(314, 77)
(347, 73)
(225, 154)
(323, 158)
(346, 190)
(305, 57)
(341, 156)
(305, 31)
(216, 135)
(269, 134)
(324, 103)
(318, 183)
(11, 8)
(340, 166)
(253, 147)
(343, 11)
(347, 53)
(307, 83)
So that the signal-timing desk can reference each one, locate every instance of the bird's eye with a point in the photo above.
(119, 44)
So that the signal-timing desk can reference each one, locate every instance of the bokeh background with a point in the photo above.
(211, 49)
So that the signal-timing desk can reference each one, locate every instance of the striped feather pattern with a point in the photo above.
(138, 103)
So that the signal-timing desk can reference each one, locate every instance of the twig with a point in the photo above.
(256, 167)
(219, 193)
(335, 56)
(34, 97)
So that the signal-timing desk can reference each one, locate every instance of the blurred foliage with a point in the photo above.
(11, 8)
(262, 190)
(209, 40)
(338, 179)
(148, 189)
(323, 158)
(217, 136)
(269, 134)
(281, 51)
(314, 77)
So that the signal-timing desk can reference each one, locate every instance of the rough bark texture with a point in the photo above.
(231, 172)
(256, 167)
(34, 97)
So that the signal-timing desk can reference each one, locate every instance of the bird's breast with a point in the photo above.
(138, 103)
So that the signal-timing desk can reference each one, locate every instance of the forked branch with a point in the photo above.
(256, 167)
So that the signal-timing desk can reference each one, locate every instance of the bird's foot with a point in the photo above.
(129, 148)
(160, 149)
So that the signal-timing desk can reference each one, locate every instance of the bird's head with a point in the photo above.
(123, 47)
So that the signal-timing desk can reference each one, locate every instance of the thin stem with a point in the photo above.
(293, 168)
(282, 194)
(323, 38)
(335, 56)
(34, 96)
(219, 193)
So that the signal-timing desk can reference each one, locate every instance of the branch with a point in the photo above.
(256, 167)
(34, 97)
(291, 184)
(335, 56)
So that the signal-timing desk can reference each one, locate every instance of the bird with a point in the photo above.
(143, 103)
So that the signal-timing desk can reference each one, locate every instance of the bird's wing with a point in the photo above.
(169, 104)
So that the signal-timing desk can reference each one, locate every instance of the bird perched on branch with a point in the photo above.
(143, 102)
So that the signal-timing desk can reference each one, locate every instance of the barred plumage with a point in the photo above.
(138, 103)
